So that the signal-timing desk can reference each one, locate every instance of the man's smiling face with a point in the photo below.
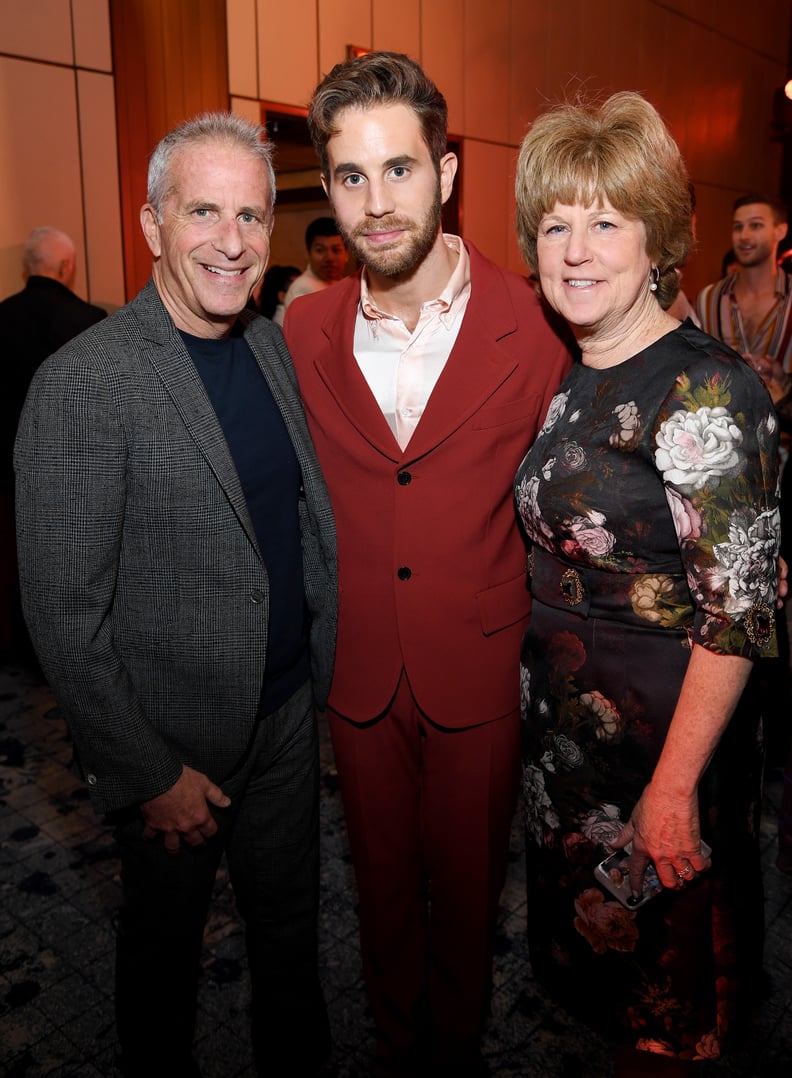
(756, 234)
(212, 245)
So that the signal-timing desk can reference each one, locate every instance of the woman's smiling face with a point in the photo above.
(593, 266)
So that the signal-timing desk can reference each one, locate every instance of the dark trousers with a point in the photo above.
(428, 813)
(270, 837)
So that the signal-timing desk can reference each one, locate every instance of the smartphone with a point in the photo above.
(614, 874)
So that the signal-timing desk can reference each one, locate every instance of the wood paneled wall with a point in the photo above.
(58, 161)
(710, 68)
(171, 62)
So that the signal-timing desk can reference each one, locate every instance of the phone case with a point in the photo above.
(614, 874)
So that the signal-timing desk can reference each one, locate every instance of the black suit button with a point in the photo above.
(257, 596)
(404, 479)
(404, 573)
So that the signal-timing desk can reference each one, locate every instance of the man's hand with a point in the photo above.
(772, 373)
(182, 811)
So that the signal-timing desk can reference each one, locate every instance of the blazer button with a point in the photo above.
(91, 779)
(257, 596)
(404, 479)
(404, 573)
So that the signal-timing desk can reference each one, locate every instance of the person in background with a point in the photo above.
(424, 380)
(751, 308)
(650, 497)
(729, 263)
(34, 323)
(47, 313)
(177, 566)
(327, 259)
(780, 387)
(273, 291)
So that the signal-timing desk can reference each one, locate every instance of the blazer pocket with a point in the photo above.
(499, 414)
(504, 604)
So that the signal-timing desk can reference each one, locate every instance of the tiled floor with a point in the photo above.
(59, 890)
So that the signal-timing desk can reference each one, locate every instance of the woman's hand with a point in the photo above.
(664, 825)
(664, 829)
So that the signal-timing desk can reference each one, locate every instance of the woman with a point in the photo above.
(272, 291)
(650, 498)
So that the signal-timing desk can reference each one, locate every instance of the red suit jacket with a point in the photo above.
(431, 562)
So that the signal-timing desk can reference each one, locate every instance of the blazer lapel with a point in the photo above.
(336, 366)
(172, 365)
(477, 366)
(280, 379)
(479, 363)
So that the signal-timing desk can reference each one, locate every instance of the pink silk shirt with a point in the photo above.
(402, 368)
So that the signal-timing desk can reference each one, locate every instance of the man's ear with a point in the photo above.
(67, 270)
(448, 170)
(325, 184)
(151, 229)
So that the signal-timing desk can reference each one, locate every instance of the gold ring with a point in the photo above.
(683, 875)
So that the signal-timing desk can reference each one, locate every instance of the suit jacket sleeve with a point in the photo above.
(71, 493)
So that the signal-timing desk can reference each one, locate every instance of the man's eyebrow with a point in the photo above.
(254, 211)
(405, 159)
(202, 203)
(345, 168)
(206, 204)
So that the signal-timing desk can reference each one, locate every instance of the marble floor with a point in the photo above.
(59, 891)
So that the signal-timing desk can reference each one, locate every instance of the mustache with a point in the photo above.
(380, 224)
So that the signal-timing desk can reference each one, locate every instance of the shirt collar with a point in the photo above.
(444, 304)
(781, 288)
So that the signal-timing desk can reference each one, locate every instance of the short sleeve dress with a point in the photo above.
(650, 497)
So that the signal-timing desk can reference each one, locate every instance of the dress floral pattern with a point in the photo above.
(650, 496)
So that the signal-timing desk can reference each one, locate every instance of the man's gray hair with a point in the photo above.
(44, 249)
(222, 127)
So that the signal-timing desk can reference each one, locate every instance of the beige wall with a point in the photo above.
(710, 70)
(58, 156)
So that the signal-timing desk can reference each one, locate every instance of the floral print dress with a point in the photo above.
(650, 496)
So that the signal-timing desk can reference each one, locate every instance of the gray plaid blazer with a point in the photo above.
(142, 583)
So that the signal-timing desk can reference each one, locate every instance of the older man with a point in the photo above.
(178, 577)
(34, 323)
(46, 314)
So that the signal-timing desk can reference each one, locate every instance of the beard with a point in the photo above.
(403, 256)
(759, 254)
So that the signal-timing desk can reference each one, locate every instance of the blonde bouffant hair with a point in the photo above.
(619, 150)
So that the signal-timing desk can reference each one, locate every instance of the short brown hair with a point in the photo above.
(378, 78)
(780, 215)
(619, 150)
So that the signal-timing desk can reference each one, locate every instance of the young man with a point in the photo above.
(751, 309)
(425, 379)
(327, 259)
(177, 563)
